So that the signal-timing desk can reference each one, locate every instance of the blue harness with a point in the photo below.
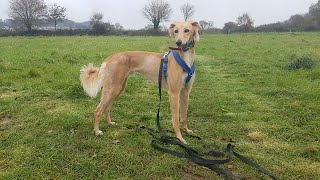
(180, 61)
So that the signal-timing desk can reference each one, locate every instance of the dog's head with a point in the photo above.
(185, 34)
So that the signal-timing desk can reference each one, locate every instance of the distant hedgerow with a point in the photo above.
(301, 63)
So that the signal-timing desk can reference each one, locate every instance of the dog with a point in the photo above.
(113, 74)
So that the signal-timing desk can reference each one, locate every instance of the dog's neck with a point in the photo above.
(187, 56)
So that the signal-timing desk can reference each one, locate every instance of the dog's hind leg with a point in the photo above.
(97, 115)
(108, 97)
(107, 114)
(112, 88)
(115, 94)
(184, 102)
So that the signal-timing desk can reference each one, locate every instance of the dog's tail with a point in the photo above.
(92, 79)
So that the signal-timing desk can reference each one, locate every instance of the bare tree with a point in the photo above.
(96, 18)
(245, 22)
(98, 26)
(157, 11)
(27, 12)
(56, 14)
(118, 27)
(230, 27)
(205, 25)
(188, 11)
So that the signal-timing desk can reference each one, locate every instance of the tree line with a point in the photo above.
(309, 21)
(34, 17)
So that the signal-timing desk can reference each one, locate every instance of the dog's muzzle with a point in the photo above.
(186, 46)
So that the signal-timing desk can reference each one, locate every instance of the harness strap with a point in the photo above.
(165, 64)
(180, 61)
(184, 66)
(163, 134)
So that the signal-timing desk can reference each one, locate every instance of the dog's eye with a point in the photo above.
(176, 31)
(186, 30)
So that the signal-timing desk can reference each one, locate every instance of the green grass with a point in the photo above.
(242, 92)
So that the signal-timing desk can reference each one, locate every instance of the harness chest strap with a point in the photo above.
(181, 62)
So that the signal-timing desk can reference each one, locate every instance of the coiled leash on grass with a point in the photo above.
(162, 138)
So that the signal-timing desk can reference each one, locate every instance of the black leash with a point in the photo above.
(162, 138)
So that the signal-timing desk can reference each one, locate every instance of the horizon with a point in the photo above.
(262, 13)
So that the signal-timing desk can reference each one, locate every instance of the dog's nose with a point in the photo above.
(178, 42)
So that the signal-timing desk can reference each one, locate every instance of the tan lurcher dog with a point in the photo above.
(113, 74)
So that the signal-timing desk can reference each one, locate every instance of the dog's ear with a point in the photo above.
(196, 28)
(171, 29)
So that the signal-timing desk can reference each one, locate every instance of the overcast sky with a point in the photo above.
(128, 12)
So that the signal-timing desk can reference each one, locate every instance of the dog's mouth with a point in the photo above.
(186, 46)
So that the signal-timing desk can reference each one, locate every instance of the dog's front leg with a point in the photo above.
(184, 102)
(174, 106)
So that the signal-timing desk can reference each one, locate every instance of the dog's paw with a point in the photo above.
(98, 133)
(112, 123)
(182, 140)
(189, 131)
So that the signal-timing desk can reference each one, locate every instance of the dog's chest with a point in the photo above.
(188, 58)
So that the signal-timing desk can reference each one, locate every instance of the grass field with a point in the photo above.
(241, 93)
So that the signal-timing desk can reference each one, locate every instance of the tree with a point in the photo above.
(1, 24)
(157, 11)
(310, 24)
(297, 22)
(245, 22)
(188, 11)
(98, 26)
(314, 10)
(56, 14)
(205, 25)
(27, 12)
(118, 27)
(230, 27)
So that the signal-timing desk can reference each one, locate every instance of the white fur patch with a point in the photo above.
(91, 79)
(99, 133)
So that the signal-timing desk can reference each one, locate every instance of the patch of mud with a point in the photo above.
(8, 94)
(6, 121)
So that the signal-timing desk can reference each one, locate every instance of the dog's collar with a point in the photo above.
(188, 45)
